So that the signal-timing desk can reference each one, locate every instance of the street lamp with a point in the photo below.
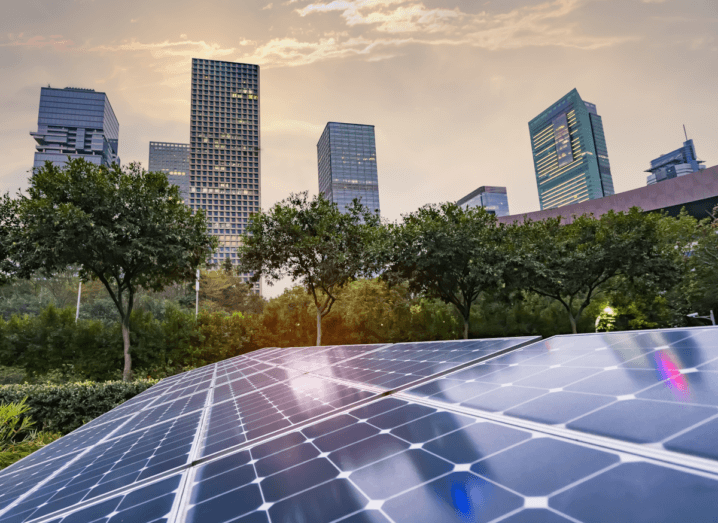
(695, 315)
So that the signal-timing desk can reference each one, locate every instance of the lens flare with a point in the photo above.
(669, 371)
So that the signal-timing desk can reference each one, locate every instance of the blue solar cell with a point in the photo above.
(275, 408)
(111, 465)
(640, 492)
(462, 450)
(559, 407)
(642, 421)
(701, 441)
(404, 363)
(150, 503)
(540, 466)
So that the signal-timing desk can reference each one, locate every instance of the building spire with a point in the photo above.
(684, 132)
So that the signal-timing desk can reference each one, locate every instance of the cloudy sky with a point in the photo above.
(449, 84)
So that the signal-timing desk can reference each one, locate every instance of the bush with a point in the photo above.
(14, 422)
(17, 451)
(63, 408)
(11, 375)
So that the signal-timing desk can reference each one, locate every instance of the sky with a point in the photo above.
(449, 85)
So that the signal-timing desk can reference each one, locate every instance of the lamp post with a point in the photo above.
(196, 300)
(711, 317)
(79, 293)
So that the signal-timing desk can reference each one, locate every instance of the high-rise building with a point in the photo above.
(173, 160)
(570, 155)
(680, 162)
(493, 199)
(74, 122)
(224, 164)
(346, 156)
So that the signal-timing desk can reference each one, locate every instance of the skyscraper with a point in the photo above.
(493, 199)
(680, 162)
(224, 163)
(74, 122)
(173, 160)
(570, 155)
(346, 156)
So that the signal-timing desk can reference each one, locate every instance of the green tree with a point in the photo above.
(310, 241)
(8, 224)
(573, 263)
(225, 291)
(126, 227)
(447, 252)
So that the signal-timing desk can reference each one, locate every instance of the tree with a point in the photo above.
(311, 241)
(126, 227)
(225, 291)
(8, 223)
(572, 263)
(447, 252)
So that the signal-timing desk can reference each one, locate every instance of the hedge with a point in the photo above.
(63, 408)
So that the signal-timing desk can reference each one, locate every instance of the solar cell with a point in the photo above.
(642, 387)
(472, 430)
(404, 363)
(397, 460)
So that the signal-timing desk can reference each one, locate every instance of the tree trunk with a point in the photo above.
(127, 373)
(319, 328)
(466, 329)
(573, 322)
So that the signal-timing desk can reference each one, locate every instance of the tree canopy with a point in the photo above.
(447, 252)
(312, 242)
(572, 263)
(126, 227)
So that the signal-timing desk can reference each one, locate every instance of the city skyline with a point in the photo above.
(449, 85)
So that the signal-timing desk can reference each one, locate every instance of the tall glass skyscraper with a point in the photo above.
(346, 155)
(79, 123)
(493, 199)
(224, 162)
(570, 155)
(680, 162)
(173, 160)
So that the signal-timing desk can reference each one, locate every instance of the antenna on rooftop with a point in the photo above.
(684, 132)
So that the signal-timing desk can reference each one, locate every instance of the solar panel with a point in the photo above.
(618, 426)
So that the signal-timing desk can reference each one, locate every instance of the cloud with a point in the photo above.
(268, 6)
(38, 42)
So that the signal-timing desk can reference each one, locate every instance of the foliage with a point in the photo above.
(10, 375)
(367, 311)
(572, 263)
(14, 422)
(311, 241)
(63, 408)
(8, 224)
(125, 226)
(225, 291)
(447, 252)
(17, 451)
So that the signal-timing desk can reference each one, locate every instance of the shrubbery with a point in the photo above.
(63, 408)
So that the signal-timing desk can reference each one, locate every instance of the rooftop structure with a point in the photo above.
(493, 199)
(680, 162)
(78, 123)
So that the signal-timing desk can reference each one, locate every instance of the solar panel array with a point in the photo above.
(605, 427)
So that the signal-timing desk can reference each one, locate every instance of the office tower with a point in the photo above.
(570, 155)
(346, 155)
(173, 160)
(680, 162)
(74, 122)
(224, 164)
(493, 199)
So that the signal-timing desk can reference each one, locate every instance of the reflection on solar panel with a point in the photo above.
(606, 427)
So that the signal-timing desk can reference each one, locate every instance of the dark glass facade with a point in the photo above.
(680, 162)
(173, 160)
(79, 123)
(493, 199)
(346, 157)
(224, 161)
(570, 154)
